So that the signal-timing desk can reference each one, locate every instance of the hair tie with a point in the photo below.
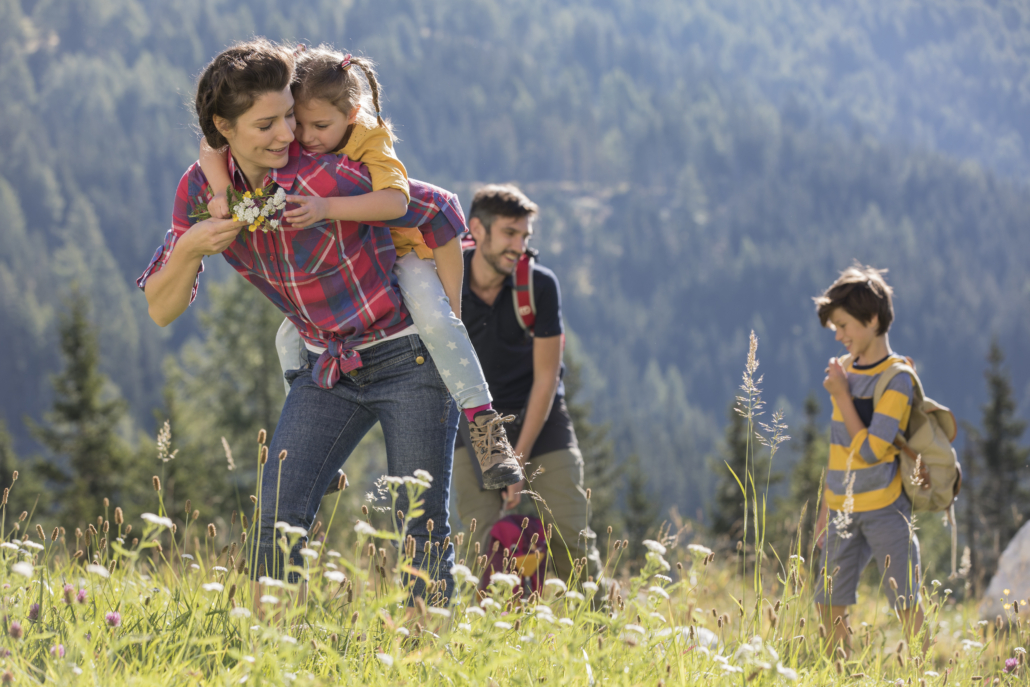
(345, 63)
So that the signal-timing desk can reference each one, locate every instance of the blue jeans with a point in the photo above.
(319, 428)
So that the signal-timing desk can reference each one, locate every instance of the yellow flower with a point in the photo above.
(252, 227)
(247, 194)
(235, 218)
(260, 192)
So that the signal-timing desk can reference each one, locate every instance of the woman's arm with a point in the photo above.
(216, 169)
(377, 206)
(169, 289)
(450, 267)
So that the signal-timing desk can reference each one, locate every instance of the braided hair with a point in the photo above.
(233, 80)
(327, 74)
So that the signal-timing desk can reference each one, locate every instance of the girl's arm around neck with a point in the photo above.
(377, 206)
(215, 165)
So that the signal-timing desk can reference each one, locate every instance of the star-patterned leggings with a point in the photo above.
(443, 333)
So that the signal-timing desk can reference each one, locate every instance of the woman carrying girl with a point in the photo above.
(335, 115)
(333, 282)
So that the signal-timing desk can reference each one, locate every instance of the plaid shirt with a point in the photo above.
(333, 280)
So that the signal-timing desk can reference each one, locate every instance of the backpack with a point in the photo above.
(530, 564)
(926, 443)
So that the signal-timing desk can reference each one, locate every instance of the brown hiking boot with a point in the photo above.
(494, 453)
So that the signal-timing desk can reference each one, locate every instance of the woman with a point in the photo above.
(334, 282)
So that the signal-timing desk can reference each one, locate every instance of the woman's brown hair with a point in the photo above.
(232, 81)
(327, 74)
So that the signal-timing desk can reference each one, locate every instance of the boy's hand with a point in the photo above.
(311, 209)
(836, 381)
(218, 207)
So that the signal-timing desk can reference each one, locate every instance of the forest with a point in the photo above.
(703, 169)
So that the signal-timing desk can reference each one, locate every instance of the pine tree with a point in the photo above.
(641, 512)
(1002, 495)
(81, 431)
(806, 479)
(28, 488)
(600, 469)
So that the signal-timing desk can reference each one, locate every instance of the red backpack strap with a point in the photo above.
(522, 293)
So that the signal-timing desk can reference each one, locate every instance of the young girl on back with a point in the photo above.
(334, 117)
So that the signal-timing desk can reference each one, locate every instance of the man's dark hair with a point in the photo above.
(500, 200)
(862, 292)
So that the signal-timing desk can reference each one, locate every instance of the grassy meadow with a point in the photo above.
(170, 602)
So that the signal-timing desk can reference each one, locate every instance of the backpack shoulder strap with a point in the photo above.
(893, 371)
(522, 293)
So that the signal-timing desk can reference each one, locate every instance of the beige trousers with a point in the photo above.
(563, 504)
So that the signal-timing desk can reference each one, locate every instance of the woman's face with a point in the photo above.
(321, 126)
(261, 138)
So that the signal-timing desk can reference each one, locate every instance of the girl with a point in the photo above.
(333, 116)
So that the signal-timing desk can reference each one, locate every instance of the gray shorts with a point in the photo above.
(874, 534)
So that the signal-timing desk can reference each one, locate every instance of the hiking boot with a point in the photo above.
(490, 443)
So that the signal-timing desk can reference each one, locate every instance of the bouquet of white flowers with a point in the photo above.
(261, 209)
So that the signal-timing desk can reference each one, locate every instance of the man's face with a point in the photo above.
(505, 243)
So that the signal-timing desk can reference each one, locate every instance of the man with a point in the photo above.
(524, 370)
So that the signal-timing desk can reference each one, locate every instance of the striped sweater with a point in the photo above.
(869, 457)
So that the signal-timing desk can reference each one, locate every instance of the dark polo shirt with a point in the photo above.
(505, 351)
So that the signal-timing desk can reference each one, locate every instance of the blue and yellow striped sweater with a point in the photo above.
(873, 456)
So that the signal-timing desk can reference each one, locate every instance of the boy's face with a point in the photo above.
(321, 126)
(856, 336)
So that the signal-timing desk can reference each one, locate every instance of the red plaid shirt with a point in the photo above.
(333, 280)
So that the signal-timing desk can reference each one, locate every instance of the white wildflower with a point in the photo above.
(97, 570)
(9, 545)
(269, 599)
(416, 482)
(654, 547)
(501, 625)
(157, 520)
(590, 587)
(555, 582)
(187, 557)
(387, 659)
(658, 616)
(32, 545)
(23, 568)
(461, 570)
(566, 621)
(699, 550)
(335, 576)
(465, 626)
(362, 527)
(504, 578)
(659, 591)
(423, 475)
(239, 612)
(475, 610)
(219, 568)
(212, 587)
(402, 631)
(636, 628)
(442, 612)
(574, 595)
(308, 553)
(271, 582)
(333, 554)
(489, 603)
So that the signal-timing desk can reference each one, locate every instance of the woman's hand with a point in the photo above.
(211, 236)
(311, 209)
(836, 381)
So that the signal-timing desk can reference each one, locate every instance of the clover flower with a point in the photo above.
(113, 618)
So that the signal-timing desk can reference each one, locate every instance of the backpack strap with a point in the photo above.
(522, 293)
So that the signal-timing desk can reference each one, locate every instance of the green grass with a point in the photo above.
(148, 603)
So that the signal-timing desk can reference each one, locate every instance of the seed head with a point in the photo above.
(262, 435)
(839, 666)
(157, 483)
(189, 506)
(588, 493)
(55, 534)
(107, 526)
(232, 592)
(14, 476)
(886, 561)
(364, 509)
(39, 531)
(128, 528)
(525, 523)
(24, 514)
(263, 455)
(107, 502)
(472, 526)
(92, 530)
(609, 530)
(893, 583)
(119, 516)
(282, 455)
(196, 514)
(211, 531)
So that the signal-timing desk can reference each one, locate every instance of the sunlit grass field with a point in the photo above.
(155, 603)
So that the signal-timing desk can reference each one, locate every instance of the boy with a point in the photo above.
(863, 484)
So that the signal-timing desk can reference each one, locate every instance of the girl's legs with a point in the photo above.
(448, 342)
(443, 333)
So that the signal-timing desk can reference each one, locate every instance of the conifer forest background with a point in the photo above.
(704, 168)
